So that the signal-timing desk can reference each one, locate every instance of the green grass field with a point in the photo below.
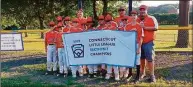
(26, 68)
(29, 72)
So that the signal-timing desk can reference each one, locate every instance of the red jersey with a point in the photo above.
(118, 20)
(59, 41)
(66, 29)
(50, 38)
(111, 26)
(149, 21)
(100, 27)
(75, 29)
(81, 22)
(138, 28)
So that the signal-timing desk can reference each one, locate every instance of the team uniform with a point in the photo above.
(139, 31)
(147, 49)
(82, 22)
(92, 69)
(101, 23)
(149, 25)
(75, 29)
(62, 62)
(50, 45)
(111, 25)
(89, 24)
(122, 22)
(66, 28)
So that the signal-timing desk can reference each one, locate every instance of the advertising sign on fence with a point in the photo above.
(11, 42)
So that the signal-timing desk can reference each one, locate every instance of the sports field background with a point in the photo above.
(26, 68)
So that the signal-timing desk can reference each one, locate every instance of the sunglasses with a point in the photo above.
(74, 22)
(100, 19)
(121, 10)
(133, 14)
(107, 20)
(90, 22)
(124, 19)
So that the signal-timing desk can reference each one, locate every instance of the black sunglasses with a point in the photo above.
(124, 19)
(74, 22)
(121, 10)
(100, 19)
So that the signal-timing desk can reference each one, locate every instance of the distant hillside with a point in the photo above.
(165, 9)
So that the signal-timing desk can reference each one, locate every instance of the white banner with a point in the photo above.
(101, 47)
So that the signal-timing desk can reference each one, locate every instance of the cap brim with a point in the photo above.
(143, 8)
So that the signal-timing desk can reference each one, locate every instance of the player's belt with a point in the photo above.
(51, 44)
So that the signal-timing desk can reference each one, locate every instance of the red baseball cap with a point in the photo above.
(143, 7)
(59, 18)
(101, 17)
(67, 18)
(60, 24)
(51, 23)
(89, 19)
(133, 12)
(108, 17)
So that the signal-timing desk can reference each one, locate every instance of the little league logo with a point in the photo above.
(78, 50)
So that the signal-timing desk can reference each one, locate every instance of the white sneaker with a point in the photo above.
(117, 77)
(125, 75)
(81, 75)
(74, 76)
(107, 76)
(121, 74)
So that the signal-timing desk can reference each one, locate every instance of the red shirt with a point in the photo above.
(59, 41)
(118, 20)
(81, 22)
(66, 29)
(50, 38)
(75, 29)
(129, 27)
(149, 21)
(100, 27)
(111, 26)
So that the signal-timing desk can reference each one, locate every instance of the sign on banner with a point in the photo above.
(11, 42)
(101, 47)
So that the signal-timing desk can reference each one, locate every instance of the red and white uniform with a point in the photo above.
(75, 28)
(50, 45)
(61, 54)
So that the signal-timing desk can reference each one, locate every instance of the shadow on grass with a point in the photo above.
(178, 73)
(181, 73)
(16, 63)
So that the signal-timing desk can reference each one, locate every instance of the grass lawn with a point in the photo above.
(166, 40)
(29, 72)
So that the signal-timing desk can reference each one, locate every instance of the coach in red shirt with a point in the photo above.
(149, 25)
